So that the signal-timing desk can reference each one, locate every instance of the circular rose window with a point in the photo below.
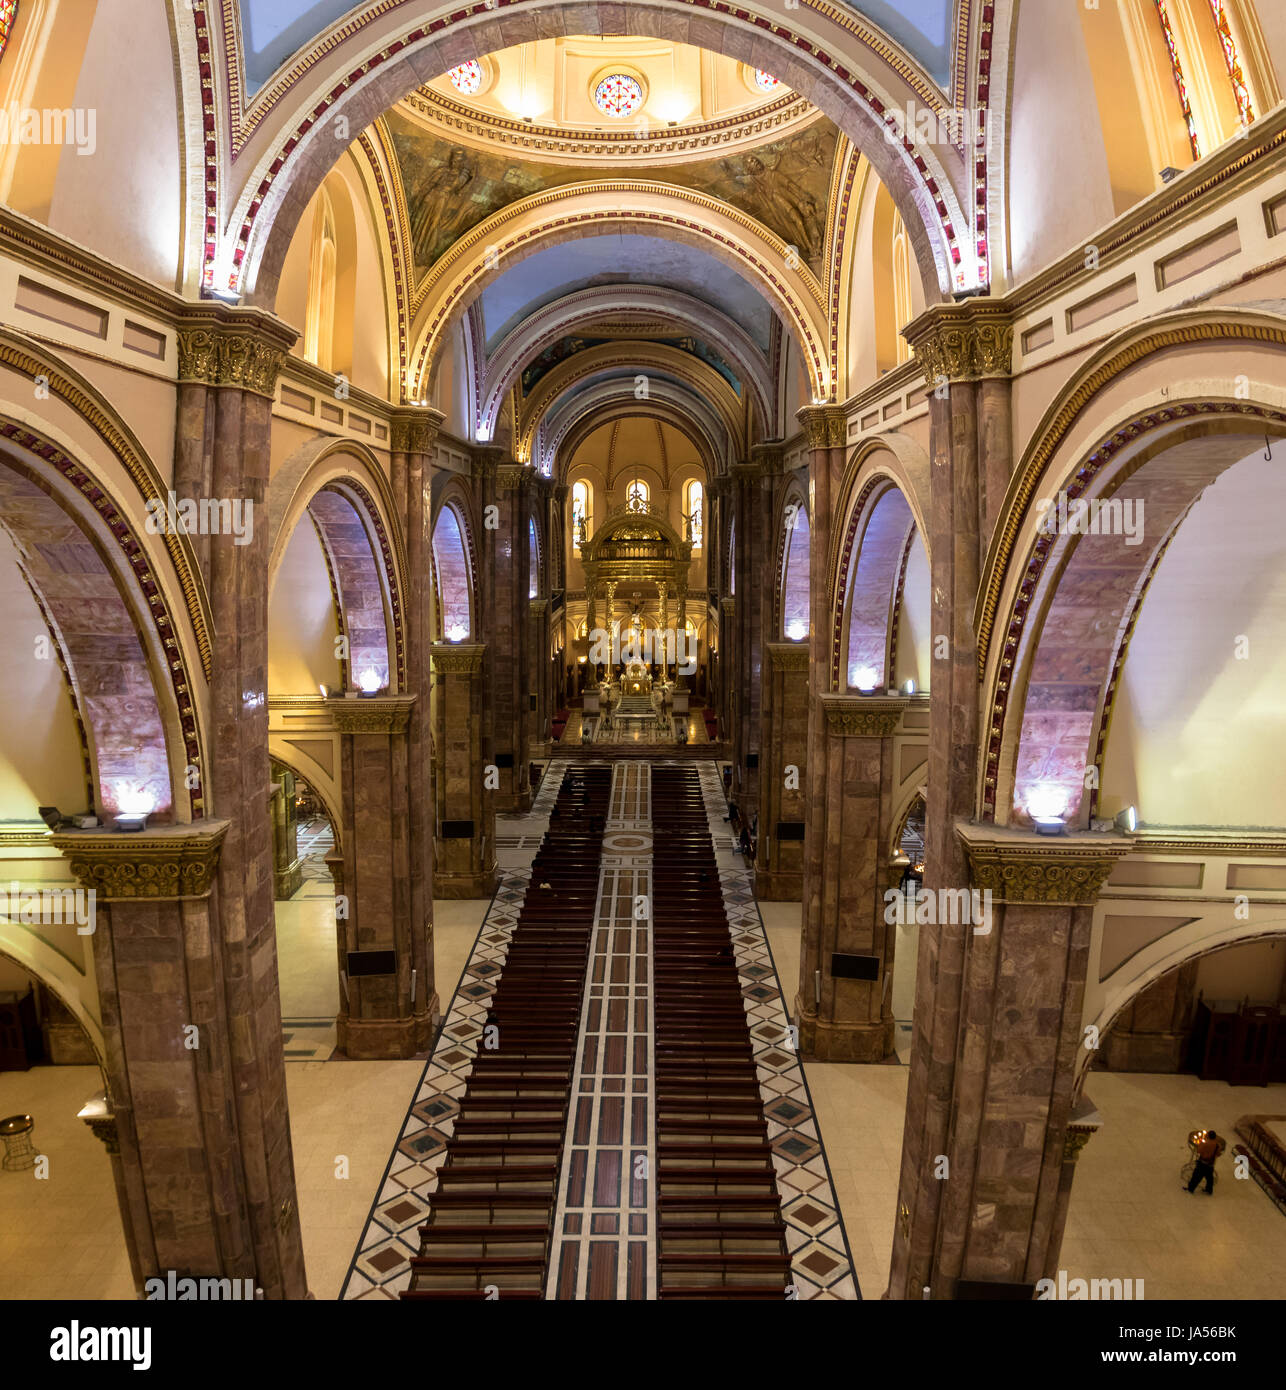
(467, 78)
(765, 81)
(618, 95)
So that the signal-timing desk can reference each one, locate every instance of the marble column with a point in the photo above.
(779, 856)
(393, 1010)
(228, 361)
(413, 433)
(505, 580)
(844, 1004)
(960, 347)
(464, 853)
(197, 1179)
(751, 567)
(999, 1178)
(287, 867)
(542, 674)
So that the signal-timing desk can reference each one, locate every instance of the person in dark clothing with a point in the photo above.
(744, 842)
(1209, 1146)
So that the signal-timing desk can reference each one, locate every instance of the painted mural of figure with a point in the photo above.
(438, 206)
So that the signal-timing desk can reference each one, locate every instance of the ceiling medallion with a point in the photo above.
(619, 95)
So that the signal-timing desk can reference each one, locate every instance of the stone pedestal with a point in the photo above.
(464, 850)
(391, 1013)
(779, 858)
(204, 1188)
(849, 872)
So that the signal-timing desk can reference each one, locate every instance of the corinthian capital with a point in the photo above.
(825, 425)
(963, 342)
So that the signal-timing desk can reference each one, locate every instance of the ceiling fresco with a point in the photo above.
(451, 188)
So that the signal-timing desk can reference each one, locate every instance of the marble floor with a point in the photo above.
(1129, 1217)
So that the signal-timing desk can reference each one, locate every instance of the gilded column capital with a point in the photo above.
(239, 348)
(1085, 1122)
(746, 471)
(97, 1114)
(864, 716)
(170, 861)
(1020, 866)
(414, 431)
(963, 342)
(486, 459)
(371, 714)
(788, 656)
(770, 458)
(826, 426)
(539, 607)
(457, 658)
(729, 605)
(513, 477)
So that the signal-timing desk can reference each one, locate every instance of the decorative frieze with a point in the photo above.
(863, 716)
(168, 862)
(457, 659)
(375, 714)
(963, 342)
(513, 477)
(1019, 866)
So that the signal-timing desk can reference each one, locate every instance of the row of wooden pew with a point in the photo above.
(720, 1228)
(491, 1219)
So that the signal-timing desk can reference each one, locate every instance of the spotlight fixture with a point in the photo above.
(131, 820)
(1128, 820)
(909, 688)
(325, 691)
(1047, 806)
(1169, 173)
(369, 683)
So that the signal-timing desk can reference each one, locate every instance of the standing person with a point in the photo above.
(1209, 1146)
(744, 843)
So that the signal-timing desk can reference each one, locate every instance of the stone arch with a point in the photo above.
(104, 609)
(582, 210)
(51, 969)
(854, 77)
(1161, 448)
(793, 565)
(347, 497)
(614, 400)
(648, 302)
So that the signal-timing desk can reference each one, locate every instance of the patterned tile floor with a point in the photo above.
(821, 1264)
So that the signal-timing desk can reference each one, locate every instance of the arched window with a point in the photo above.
(319, 331)
(533, 561)
(582, 513)
(451, 562)
(794, 576)
(8, 13)
(901, 286)
(636, 495)
(694, 512)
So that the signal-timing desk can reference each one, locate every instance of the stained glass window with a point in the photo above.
(580, 514)
(1182, 86)
(636, 496)
(765, 81)
(467, 78)
(1229, 45)
(8, 13)
(618, 95)
(695, 523)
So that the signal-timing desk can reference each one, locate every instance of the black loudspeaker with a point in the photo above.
(752, 760)
(504, 759)
(456, 830)
(847, 967)
(532, 705)
(790, 830)
(362, 963)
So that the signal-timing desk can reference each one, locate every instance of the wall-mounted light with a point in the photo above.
(1047, 806)
(457, 632)
(864, 678)
(369, 682)
(325, 691)
(909, 688)
(1128, 820)
(797, 630)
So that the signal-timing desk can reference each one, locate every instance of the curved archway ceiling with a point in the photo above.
(625, 259)
(450, 188)
(273, 31)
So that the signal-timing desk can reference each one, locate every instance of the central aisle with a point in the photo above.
(747, 1206)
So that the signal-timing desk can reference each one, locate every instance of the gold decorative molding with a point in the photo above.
(457, 659)
(1157, 842)
(1019, 866)
(826, 426)
(963, 342)
(25, 837)
(245, 356)
(168, 862)
(413, 432)
(788, 656)
(372, 714)
(513, 477)
(1074, 1141)
(864, 716)
(539, 607)
(729, 605)
(770, 458)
